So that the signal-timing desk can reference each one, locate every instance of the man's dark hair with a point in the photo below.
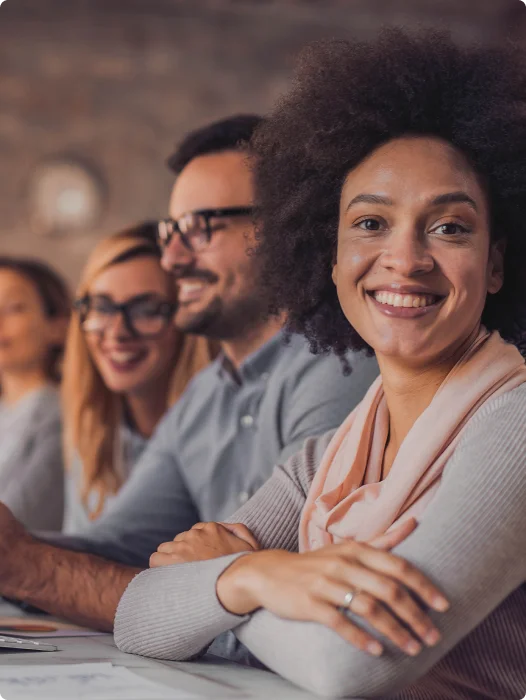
(349, 98)
(227, 134)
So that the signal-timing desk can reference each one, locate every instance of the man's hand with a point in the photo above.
(205, 541)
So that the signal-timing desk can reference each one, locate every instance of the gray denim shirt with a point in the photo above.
(220, 442)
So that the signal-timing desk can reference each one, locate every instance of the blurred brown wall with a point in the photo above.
(115, 83)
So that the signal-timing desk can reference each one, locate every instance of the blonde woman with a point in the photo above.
(125, 364)
(34, 310)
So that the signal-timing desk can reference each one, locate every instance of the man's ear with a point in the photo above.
(497, 252)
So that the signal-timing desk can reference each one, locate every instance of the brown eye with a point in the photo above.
(369, 224)
(450, 229)
(217, 224)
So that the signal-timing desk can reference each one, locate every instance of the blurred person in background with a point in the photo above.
(125, 364)
(34, 312)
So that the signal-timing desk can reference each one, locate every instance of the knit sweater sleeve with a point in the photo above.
(470, 543)
(160, 614)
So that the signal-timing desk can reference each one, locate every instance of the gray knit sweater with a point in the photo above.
(471, 542)
(31, 466)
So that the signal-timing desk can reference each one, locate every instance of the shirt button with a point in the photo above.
(243, 497)
(247, 421)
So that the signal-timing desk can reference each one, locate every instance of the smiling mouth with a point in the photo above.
(189, 290)
(125, 360)
(407, 301)
(405, 306)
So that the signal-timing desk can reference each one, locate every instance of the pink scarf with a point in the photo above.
(348, 500)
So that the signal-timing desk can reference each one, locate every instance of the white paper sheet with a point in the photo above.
(100, 681)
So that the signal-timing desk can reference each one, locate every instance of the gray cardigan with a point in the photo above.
(31, 467)
(471, 542)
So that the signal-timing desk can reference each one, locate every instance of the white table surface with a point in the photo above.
(209, 678)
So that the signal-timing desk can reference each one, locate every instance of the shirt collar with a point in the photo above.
(256, 365)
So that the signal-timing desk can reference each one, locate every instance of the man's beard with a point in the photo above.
(220, 321)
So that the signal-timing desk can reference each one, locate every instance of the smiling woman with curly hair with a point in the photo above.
(348, 100)
(391, 186)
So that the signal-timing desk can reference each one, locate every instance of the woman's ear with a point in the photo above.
(334, 273)
(497, 252)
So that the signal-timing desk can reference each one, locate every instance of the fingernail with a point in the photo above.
(413, 648)
(432, 638)
(440, 604)
(374, 648)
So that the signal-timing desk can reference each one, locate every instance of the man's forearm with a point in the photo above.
(81, 587)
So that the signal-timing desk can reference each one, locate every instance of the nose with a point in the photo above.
(117, 329)
(407, 253)
(176, 256)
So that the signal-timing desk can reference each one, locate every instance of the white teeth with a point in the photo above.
(123, 356)
(406, 300)
(189, 289)
(190, 286)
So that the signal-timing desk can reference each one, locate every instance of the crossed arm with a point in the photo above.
(470, 544)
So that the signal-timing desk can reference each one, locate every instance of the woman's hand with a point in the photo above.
(205, 541)
(313, 587)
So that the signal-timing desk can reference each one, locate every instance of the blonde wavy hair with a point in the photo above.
(92, 413)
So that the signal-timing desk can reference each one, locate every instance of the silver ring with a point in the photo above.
(348, 599)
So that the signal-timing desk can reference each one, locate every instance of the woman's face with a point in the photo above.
(414, 261)
(131, 365)
(26, 332)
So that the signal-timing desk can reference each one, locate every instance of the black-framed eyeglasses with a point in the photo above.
(144, 316)
(195, 228)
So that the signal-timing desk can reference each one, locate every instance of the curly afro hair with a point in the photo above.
(349, 98)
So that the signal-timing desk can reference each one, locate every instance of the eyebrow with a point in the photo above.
(369, 199)
(447, 198)
(455, 198)
(147, 296)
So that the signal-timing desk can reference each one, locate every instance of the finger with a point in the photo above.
(397, 603)
(199, 526)
(158, 559)
(393, 537)
(384, 621)
(337, 621)
(177, 548)
(402, 571)
(242, 531)
(167, 547)
(182, 536)
(369, 609)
